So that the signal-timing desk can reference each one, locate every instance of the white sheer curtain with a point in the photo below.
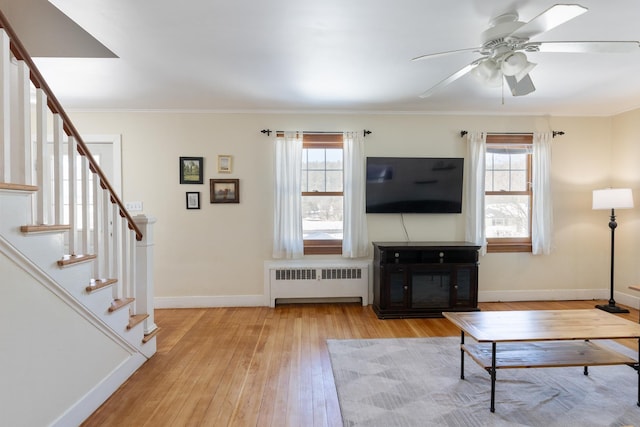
(542, 208)
(287, 215)
(355, 241)
(474, 194)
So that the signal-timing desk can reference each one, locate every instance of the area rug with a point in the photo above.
(416, 382)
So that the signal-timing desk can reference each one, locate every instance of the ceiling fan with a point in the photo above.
(506, 40)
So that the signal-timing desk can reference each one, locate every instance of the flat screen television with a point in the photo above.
(414, 185)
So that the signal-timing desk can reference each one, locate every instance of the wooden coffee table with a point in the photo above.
(542, 339)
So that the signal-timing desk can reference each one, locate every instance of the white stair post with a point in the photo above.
(144, 270)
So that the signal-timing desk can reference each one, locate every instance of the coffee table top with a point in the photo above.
(543, 325)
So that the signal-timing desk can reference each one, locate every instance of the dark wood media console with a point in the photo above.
(424, 279)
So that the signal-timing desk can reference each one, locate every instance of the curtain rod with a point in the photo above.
(268, 132)
(553, 133)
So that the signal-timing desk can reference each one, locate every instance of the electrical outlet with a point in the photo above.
(133, 206)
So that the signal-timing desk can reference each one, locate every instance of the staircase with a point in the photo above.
(69, 247)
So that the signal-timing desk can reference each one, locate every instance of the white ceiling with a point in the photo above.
(315, 55)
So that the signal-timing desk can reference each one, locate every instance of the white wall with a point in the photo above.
(50, 356)
(215, 255)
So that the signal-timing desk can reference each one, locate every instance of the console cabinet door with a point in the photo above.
(465, 286)
(430, 287)
(397, 287)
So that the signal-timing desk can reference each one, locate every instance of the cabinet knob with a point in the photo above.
(455, 286)
(406, 287)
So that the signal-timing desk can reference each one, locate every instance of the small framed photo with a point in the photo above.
(193, 200)
(224, 163)
(191, 170)
(225, 190)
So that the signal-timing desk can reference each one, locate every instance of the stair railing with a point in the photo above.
(98, 221)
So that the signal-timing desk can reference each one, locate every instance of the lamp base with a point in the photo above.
(612, 308)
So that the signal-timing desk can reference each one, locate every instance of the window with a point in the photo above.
(508, 193)
(322, 193)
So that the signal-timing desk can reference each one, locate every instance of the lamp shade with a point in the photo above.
(613, 198)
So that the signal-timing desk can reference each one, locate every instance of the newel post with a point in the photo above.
(144, 270)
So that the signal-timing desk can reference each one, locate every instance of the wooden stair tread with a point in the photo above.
(136, 319)
(147, 337)
(75, 259)
(100, 284)
(44, 228)
(18, 187)
(117, 304)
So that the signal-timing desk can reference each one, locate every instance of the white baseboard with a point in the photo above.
(557, 295)
(88, 404)
(483, 296)
(211, 301)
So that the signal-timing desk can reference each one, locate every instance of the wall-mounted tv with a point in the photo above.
(414, 185)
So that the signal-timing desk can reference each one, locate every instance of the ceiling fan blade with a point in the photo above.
(519, 88)
(453, 77)
(549, 19)
(584, 47)
(448, 52)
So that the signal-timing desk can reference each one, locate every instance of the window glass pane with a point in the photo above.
(501, 181)
(501, 161)
(321, 217)
(314, 158)
(519, 161)
(334, 158)
(316, 181)
(334, 180)
(488, 180)
(507, 216)
(519, 180)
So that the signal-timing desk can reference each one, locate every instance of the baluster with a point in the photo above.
(42, 165)
(97, 266)
(123, 259)
(84, 207)
(23, 121)
(132, 269)
(106, 236)
(5, 107)
(115, 247)
(144, 270)
(58, 181)
(73, 192)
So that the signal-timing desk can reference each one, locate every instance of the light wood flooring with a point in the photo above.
(260, 366)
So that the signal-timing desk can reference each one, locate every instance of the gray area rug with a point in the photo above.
(416, 382)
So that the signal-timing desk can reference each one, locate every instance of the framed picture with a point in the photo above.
(193, 200)
(224, 164)
(191, 170)
(225, 190)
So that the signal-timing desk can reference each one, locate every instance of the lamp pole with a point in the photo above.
(612, 307)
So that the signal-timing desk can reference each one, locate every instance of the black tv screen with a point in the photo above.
(414, 185)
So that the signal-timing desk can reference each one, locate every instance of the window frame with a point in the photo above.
(511, 244)
(326, 141)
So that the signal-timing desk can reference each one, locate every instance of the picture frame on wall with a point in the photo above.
(224, 163)
(224, 190)
(193, 200)
(191, 170)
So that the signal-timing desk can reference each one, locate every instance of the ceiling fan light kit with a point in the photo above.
(506, 40)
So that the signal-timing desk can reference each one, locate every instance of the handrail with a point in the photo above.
(19, 51)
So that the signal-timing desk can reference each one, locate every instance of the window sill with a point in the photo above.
(505, 247)
(323, 247)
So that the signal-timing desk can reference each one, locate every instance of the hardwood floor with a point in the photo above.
(260, 366)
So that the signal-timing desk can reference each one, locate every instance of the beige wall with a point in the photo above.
(215, 255)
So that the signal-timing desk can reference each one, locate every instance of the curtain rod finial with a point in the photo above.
(366, 132)
(463, 133)
(557, 132)
(267, 131)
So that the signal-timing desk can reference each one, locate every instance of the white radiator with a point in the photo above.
(319, 279)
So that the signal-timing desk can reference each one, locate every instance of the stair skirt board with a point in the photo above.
(89, 403)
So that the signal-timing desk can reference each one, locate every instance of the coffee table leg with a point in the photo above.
(461, 355)
(493, 377)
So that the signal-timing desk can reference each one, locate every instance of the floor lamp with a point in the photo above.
(612, 198)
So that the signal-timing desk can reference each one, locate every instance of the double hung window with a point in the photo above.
(322, 193)
(508, 193)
